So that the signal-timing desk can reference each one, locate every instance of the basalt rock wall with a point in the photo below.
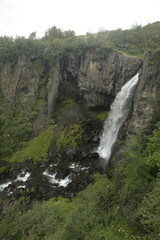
(93, 77)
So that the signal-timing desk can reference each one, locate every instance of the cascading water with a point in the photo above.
(119, 111)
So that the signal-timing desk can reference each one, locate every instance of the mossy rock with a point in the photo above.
(70, 136)
(102, 115)
(66, 104)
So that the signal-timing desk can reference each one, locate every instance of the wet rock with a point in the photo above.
(5, 172)
(76, 170)
(84, 153)
(63, 169)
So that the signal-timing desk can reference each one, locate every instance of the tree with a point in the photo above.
(32, 36)
(54, 32)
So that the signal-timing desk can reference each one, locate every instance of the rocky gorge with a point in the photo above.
(70, 94)
(80, 135)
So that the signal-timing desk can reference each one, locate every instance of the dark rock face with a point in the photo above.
(99, 76)
(21, 81)
(147, 96)
(145, 102)
(94, 77)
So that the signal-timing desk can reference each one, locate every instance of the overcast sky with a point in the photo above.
(22, 17)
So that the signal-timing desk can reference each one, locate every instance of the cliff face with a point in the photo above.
(99, 76)
(93, 77)
(22, 78)
(145, 108)
(147, 96)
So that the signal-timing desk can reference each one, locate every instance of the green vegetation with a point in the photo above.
(15, 122)
(15, 128)
(70, 136)
(68, 103)
(57, 43)
(102, 115)
(44, 219)
(36, 149)
(153, 148)
(124, 207)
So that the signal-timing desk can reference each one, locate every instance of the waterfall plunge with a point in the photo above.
(119, 111)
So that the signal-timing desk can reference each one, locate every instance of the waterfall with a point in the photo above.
(119, 111)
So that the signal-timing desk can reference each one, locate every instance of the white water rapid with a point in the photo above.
(119, 111)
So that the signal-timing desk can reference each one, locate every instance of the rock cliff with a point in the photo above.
(98, 76)
(147, 95)
(93, 77)
(145, 107)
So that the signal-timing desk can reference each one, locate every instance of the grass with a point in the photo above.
(36, 149)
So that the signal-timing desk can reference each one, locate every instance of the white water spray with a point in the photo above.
(119, 111)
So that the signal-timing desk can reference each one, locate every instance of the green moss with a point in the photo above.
(102, 115)
(70, 136)
(36, 149)
(67, 104)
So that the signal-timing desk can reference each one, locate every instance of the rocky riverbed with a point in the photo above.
(40, 181)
